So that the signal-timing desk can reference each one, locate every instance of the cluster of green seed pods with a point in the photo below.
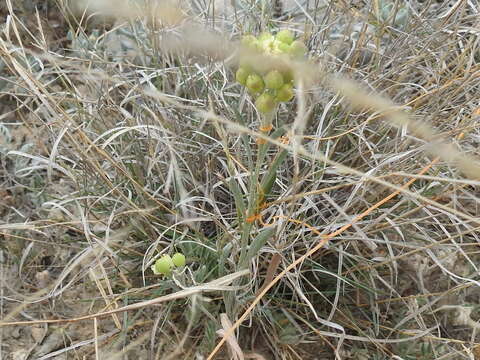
(166, 263)
(267, 84)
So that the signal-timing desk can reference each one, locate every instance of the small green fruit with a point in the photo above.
(265, 103)
(288, 77)
(285, 36)
(283, 47)
(241, 75)
(178, 260)
(285, 93)
(274, 80)
(246, 64)
(255, 83)
(163, 265)
(266, 36)
(298, 49)
(248, 40)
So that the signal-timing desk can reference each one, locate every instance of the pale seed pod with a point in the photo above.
(265, 103)
(298, 49)
(255, 83)
(274, 80)
(163, 265)
(285, 93)
(285, 36)
(178, 259)
(241, 75)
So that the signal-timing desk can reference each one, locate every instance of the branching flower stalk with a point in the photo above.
(269, 82)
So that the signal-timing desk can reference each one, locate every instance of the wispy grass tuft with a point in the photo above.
(350, 231)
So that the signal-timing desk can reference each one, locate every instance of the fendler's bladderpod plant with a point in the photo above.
(266, 73)
(268, 69)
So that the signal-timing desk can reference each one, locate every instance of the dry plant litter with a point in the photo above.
(151, 208)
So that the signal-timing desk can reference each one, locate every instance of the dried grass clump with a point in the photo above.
(350, 231)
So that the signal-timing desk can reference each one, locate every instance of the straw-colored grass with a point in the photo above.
(348, 232)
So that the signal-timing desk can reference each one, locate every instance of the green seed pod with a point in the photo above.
(285, 93)
(285, 36)
(246, 64)
(163, 265)
(248, 40)
(265, 36)
(265, 103)
(288, 77)
(255, 83)
(241, 75)
(283, 47)
(298, 49)
(274, 80)
(178, 259)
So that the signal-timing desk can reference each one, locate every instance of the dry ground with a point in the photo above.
(123, 136)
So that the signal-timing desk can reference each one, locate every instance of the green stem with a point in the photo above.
(267, 119)
(252, 201)
(257, 194)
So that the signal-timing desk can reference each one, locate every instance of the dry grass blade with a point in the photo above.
(448, 152)
(301, 259)
(128, 133)
(216, 285)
